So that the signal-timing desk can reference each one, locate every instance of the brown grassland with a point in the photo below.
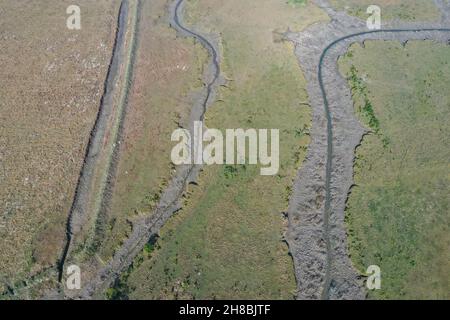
(227, 241)
(50, 87)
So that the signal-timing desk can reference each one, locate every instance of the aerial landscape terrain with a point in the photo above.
(225, 150)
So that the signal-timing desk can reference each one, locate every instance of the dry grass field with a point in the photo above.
(50, 87)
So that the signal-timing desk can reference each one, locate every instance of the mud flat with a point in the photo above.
(317, 231)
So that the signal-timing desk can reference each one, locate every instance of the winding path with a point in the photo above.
(207, 44)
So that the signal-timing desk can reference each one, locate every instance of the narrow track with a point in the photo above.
(329, 164)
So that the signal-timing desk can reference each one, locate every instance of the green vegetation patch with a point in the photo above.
(297, 2)
(411, 10)
(398, 212)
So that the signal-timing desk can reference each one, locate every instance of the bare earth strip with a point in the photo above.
(317, 234)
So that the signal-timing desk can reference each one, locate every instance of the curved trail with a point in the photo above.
(170, 199)
(208, 45)
(329, 164)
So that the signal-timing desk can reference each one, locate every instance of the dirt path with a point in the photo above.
(317, 231)
(171, 198)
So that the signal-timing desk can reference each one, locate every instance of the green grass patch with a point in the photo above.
(411, 10)
(398, 212)
(297, 2)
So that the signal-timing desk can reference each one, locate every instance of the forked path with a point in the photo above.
(317, 235)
